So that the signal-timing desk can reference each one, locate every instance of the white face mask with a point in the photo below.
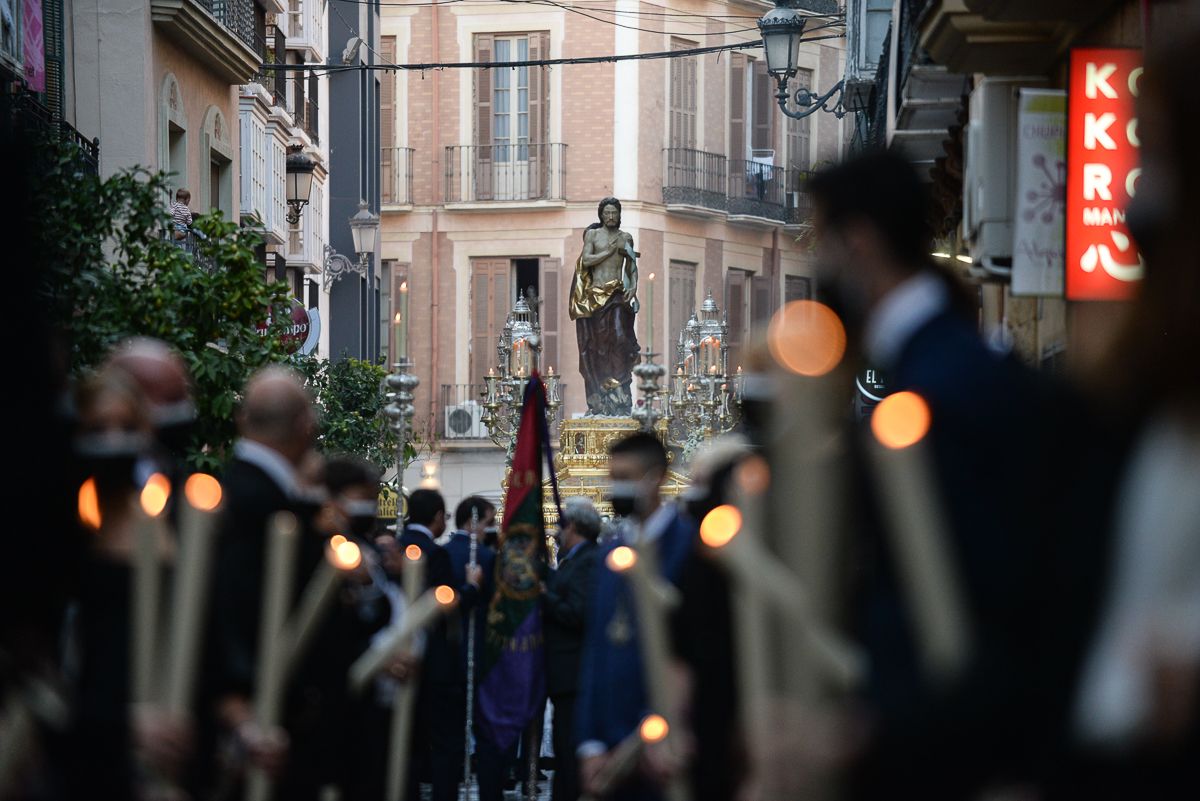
(360, 508)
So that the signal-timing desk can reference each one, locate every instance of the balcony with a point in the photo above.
(523, 173)
(218, 33)
(395, 170)
(271, 48)
(757, 191)
(312, 119)
(798, 201)
(190, 243)
(694, 181)
(28, 114)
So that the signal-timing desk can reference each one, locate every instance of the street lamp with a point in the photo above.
(300, 168)
(781, 29)
(364, 227)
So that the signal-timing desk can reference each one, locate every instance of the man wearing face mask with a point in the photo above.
(612, 695)
(941, 739)
(567, 598)
(277, 425)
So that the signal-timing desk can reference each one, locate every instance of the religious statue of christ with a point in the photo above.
(604, 306)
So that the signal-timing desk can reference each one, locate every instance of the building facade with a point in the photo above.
(490, 177)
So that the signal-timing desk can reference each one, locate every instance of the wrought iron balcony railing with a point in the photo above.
(272, 48)
(28, 113)
(237, 16)
(694, 178)
(395, 171)
(476, 173)
(757, 189)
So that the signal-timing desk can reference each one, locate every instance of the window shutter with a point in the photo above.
(737, 108)
(682, 119)
(539, 128)
(798, 130)
(482, 163)
(387, 121)
(762, 137)
(682, 294)
(797, 287)
(735, 312)
(489, 309)
(311, 112)
(760, 300)
(551, 303)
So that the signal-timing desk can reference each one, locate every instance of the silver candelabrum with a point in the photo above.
(650, 407)
(704, 400)
(518, 352)
(400, 386)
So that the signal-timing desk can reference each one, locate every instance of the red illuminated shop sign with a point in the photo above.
(1103, 263)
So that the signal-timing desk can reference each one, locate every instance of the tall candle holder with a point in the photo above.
(652, 406)
(400, 385)
(703, 400)
(518, 352)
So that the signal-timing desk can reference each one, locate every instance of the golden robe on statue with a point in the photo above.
(608, 346)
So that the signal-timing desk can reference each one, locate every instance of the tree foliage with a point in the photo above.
(113, 274)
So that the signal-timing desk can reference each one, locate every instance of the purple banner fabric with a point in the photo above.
(513, 690)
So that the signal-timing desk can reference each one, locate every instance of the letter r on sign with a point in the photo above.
(1097, 178)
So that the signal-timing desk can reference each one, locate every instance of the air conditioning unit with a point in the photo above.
(989, 182)
(465, 421)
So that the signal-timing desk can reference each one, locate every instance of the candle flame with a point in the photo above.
(345, 555)
(336, 540)
(413, 552)
(202, 491)
(807, 338)
(398, 318)
(753, 476)
(155, 494)
(901, 420)
(621, 559)
(403, 286)
(651, 276)
(89, 505)
(443, 595)
(720, 526)
(654, 729)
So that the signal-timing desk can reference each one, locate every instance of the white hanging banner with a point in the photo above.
(1038, 244)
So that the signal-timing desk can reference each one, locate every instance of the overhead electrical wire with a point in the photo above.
(540, 62)
(596, 9)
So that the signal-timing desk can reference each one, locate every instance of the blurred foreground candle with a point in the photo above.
(341, 556)
(412, 575)
(920, 537)
(650, 311)
(417, 617)
(147, 582)
(197, 523)
(623, 759)
(653, 598)
(283, 533)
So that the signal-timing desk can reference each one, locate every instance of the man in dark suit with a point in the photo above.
(277, 427)
(441, 700)
(566, 600)
(939, 739)
(612, 691)
(476, 514)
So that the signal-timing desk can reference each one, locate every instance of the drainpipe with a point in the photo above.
(437, 193)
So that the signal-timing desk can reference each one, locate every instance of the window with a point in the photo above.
(512, 129)
(876, 17)
(387, 122)
(737, 107)
(682, 122)
(736, 291)
(762, 116)
(490, 306)
(681, 298)
(797, 287)
(798, 131)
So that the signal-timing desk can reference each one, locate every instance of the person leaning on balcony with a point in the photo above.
(181, 214)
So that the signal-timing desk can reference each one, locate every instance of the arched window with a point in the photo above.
(172, 132)
(217, 163)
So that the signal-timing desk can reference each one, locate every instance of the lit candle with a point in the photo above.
(197, 521)
(919, 533)
(650, 311)
(283, 533)
(402, 349)
(423, 612)
(147, 583)
(341, 557)
(403, 702)
(624, 757)
(398, 336)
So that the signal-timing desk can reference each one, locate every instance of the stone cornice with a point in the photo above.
(191, 26)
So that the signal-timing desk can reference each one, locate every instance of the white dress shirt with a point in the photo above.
(271, 462)
(900, 314)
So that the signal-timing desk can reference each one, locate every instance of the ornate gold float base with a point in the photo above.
(582, 461)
